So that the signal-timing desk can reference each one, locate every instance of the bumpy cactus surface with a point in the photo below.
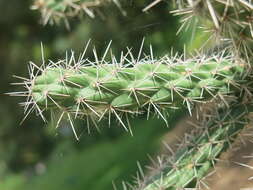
(198, 154)
(100, 89)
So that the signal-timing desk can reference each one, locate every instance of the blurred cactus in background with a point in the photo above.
(219, 84)
(55, 10)
(228, 21)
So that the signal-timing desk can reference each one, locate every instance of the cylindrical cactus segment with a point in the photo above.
(104, 89)
(192, 162)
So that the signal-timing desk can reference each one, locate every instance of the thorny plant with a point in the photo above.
(52, 11)
(102, 89)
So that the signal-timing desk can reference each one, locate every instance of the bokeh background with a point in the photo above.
(34, 155)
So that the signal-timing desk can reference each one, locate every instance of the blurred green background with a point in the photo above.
(34, 155)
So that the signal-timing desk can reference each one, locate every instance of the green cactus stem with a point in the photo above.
(100, 90)
(197, 156)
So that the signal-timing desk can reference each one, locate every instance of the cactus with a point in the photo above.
(231, 21)
(55, 10)
(198, 155)
(98, 89)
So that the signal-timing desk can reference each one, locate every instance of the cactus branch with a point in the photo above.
(101, 89)
(198, 154)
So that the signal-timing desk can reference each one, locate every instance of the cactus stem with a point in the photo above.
(197, 153)
(97, 89)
